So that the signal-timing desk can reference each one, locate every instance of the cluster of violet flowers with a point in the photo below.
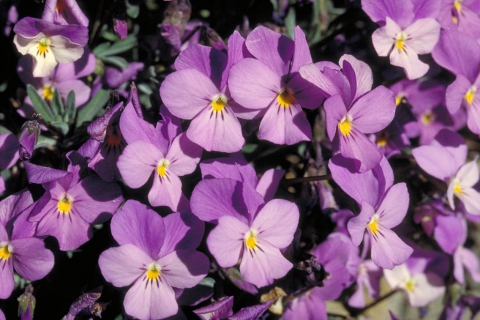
(386, 194)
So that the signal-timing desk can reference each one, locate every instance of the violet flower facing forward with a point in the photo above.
(49, 44)
(271, 84)
(155, 254)
(199, 91)
(248, 229)
(19, 248)
(408, 29)
(71, 203)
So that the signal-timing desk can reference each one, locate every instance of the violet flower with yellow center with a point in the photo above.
(49, 44)
(247, 229)
(155, 254)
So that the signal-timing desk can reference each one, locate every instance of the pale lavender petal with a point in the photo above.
(13, 205)
(263, 265)
(383, 38)
(357, 225)
(394, 205)
(32, 260)
(137, 162)
(81, 90)
(471, 263)
(137, 224)
(313, 74)
(360, 149)
(234, 167)
(358, 73)
(401, 12)
(301, 54)
(388, 250)
(425, 291)
(436, 161)
(115, 77)
(121, 266)
(271, 48)
(276, 222)
(471, 200)
(268, 183)
(183, 155)
(468, 174)
(285, 125)
(252, 84)
(185, 93)
(306, 94)
(408, 60)
(373, 111)
(335, 110)
(184, 268)
(423, 35)
(426, 9)
(455, 93)
(183, 231)
(166, 191)
(146, 300)
(449, 232)
(217, 131)
(225, 241)
(7, 281)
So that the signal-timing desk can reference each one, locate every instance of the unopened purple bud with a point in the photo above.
(26, 304)
(28, 138)
(85, 301)
(120, 27)
(315, 273)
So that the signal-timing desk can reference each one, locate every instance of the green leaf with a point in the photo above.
(40, 105)
(249, 148)
(61, 126)
(290, 22)
(105, 49)
(70, 108)
(4, 130)
(44, 142)
(116, 61)
(91, 109)
(57, 106)
(132, 10)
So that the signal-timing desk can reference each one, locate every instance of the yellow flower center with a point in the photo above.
(285, 98)
(65, 205)
(219, 102)
(382, 142)
(457, 189)
(428, 117)
(410, 284)
(373, 225)
(5, 251)
(153, 271)
(400, 40)
(48, 92)
(162, 167)
(470, 95)
(399, 99)
(251, 239)
(43, 46)
(345, 125)
(458, 5)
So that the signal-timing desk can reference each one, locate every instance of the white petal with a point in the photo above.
(64, 50)
(44, 63)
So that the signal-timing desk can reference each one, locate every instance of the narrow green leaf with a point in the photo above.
(249, 148)
(105, 49)
(133, 10)
(40, 105)
(290, 22)
(116, 61)
(70, 108)
(4, 130)
(45, 142)
(57, 106)
(61, 126)
(91, 109)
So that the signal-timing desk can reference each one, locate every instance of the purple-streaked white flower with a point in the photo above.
(155, 254)
(48, 43)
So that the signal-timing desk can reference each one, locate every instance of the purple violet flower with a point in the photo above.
(71, 202)
(368, 278)
(9, 147)
(49, 44)
(461, 15)
(19, 248)
(155, 254)
(64, 12)
(407, 30)
(247, 228)
(271, 85)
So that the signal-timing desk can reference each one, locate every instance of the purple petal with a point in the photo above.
(221, 309)
(436, 161)
(268, 183)
(357, 225)
(225, 241)
(32, 260)
(402, 13)
(183, 155)
(252, 312)
(166, 191)
(276, 222)
(360, 149)
(306, 94)
(115, 77)
(262, 265)
(137, 162)
(183, 231)
(13, 205)
(9, 147)
(455, 93)
(301, 55)
(40, 175)
(449, 232)
(388, 250)
(121, 266)
(359, 75)
(394, 205)
(139, 225)
(7, 281)
(184, 268)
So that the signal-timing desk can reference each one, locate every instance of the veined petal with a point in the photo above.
(436, 161)
(264, 264)
(282, 125)
(471, 200)
(335, 110)
(358, 74)
(184, 268)
(394, 206)
(456, 92)
(183, 231)
(468, 174)
(43, 63)
(150, 300)
(7, 281)
(64, 50)
(217, 131)
(357, 225)
(184, 155)
(32, 260)
(225, 241)
(301, 54)
(358, 147)
(276, 222)
(187, 92)
(166, 191)
(423, 35)
(407, 58)
(388, 250)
